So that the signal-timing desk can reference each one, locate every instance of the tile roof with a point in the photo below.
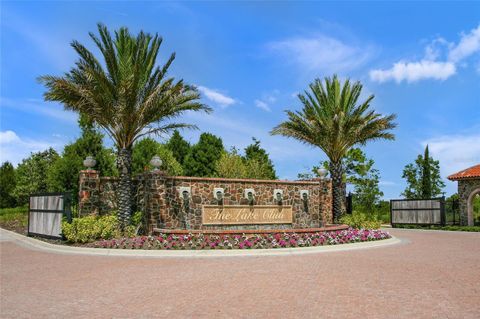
(471, 172)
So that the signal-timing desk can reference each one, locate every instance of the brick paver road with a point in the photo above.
(430, 275)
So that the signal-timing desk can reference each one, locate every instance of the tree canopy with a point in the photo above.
(231, 165)
(31, 174)
(259, 161)
(255, 164)
(7, 185)
(145, 149)
(423, 177)
(129, 95)
(203, 157)
(179, 147)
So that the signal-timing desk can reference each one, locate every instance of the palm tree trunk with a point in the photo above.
(124, 194)
(336, 172)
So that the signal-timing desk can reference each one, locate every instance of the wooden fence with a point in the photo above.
(418, 211)
(46, 212)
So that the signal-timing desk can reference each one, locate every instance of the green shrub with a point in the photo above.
(137, 218)
(91, 228)
(360, 221)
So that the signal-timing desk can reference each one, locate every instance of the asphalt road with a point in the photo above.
(431, 274)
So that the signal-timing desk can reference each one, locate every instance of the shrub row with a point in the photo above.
(361, 221)
(90, 228)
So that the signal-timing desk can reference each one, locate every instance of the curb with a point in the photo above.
(36, 244)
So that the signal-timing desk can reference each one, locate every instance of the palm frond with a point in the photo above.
(333, 119)
(126, 93)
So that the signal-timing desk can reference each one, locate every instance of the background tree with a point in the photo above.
(31, 174)
(423, 178)
(260, 161)
(128, 95)
(367, 193)
(257, 170)
(145, 149)
(179, 147)
(63, 174)
(7, 185)
(203, 157)
(231, 165)
(333, 120)
(359, 172)
(426, 175)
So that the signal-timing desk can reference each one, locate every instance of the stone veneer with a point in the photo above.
(158, 196)
(467, 188)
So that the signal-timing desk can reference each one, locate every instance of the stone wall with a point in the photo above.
(466, 188)
(158, 195)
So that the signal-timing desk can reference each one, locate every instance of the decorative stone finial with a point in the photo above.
(89, 162)
(156, 162)
(322, 173)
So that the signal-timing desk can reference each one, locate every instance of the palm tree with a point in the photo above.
(127, 94)
(332, 120)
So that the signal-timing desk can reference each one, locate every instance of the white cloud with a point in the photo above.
(262, 105)
(321, 53)
(14, 149)
(468, 45)
(8, 137)
(434, 50)
(387, 183)
(431, 66)
(217, 97)
(266, 101)
(455, 152)
(414, 71)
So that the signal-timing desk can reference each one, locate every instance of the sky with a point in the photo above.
(249, 60)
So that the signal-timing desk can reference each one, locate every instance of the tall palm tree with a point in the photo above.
(127, 94)
(333, 120)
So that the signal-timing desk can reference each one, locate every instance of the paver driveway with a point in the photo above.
(430, 275)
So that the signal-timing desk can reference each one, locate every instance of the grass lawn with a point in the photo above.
(15, 219)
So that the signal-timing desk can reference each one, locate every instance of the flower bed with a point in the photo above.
(255, 241)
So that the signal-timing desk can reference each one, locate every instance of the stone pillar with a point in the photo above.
(155, 199)
(89, 192)
(325, 213)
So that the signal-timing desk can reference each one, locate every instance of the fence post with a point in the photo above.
(67, 206)
(442, 211)
(391, 215)
(349, 204)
